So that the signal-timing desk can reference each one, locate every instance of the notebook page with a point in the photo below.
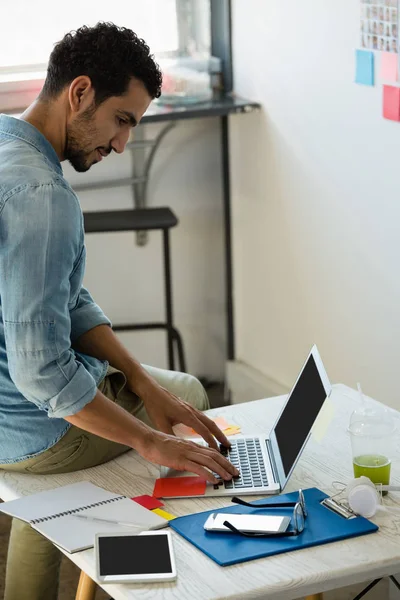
(126, 510)
(51, 502)
(74, 534)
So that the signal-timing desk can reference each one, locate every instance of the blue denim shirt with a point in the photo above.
(43, 306)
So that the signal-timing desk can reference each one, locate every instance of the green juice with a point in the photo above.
(374, 466)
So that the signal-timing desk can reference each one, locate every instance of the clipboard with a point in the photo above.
(323, 526)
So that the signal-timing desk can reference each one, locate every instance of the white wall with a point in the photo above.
(127, 280)
(316, 199)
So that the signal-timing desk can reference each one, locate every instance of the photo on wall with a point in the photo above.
(379, 25)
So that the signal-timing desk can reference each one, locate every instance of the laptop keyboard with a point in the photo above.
(246, 456)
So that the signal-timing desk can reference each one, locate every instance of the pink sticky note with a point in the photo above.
(389, 66)
(221, 423)
(148, 502)
(170, 487)
(391, 103)
(184, 430)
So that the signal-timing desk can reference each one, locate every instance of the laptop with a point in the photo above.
(266, 460)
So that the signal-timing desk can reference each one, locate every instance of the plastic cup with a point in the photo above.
(372, 444)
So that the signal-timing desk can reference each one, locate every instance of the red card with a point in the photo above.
(148, 502)
(179, 486)
(391, 102)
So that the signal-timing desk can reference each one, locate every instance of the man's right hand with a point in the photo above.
(184, 455)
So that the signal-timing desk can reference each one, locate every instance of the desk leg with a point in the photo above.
(86, 588)
(314, 597)
(226, 186)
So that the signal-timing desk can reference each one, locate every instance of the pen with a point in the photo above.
(123, 523)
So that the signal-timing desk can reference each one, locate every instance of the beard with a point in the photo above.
(80, 136)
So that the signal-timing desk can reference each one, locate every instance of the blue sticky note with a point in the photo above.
(365, 72)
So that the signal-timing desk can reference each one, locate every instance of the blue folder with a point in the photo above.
(322, 527)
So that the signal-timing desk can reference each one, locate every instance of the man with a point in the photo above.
(60, 408)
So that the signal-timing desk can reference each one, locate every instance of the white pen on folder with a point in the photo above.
(123, 523)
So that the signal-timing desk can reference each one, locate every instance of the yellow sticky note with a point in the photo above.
(164, 514)
(232, 430)
(323, 421)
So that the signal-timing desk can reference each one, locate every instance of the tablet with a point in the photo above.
(126, 557)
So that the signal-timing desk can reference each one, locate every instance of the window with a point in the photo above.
(27, 35)
(31, 38)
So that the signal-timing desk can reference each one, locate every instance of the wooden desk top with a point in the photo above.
(284, 577)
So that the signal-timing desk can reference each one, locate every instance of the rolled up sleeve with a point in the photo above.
(86, 315)
(42, 238)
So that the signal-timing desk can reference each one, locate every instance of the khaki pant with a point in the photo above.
(33, 562)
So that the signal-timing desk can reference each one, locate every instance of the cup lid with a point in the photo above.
(373, 428)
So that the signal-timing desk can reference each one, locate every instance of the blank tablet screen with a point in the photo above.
(134, 555)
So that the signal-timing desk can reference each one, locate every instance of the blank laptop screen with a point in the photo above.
(299, 414)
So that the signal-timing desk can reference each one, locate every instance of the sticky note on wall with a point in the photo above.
(391, 102)
(365, 71)
(389, 67)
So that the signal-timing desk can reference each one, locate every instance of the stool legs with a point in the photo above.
(173, 335)
(181, 355)
(168, 300)
(86, 588)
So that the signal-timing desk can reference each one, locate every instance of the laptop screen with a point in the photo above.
(299, 414)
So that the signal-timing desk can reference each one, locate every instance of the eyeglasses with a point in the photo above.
(298, 518)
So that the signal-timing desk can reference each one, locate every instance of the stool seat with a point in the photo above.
(139, 219)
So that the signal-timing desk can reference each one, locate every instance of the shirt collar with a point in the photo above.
(25, 131)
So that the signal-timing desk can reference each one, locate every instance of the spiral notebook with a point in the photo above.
(52, 514)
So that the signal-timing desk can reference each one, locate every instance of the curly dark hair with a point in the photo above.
(109, 55)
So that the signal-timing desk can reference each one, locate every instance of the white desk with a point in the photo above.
(284, 577)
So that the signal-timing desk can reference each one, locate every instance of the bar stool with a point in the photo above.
(145, 219)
